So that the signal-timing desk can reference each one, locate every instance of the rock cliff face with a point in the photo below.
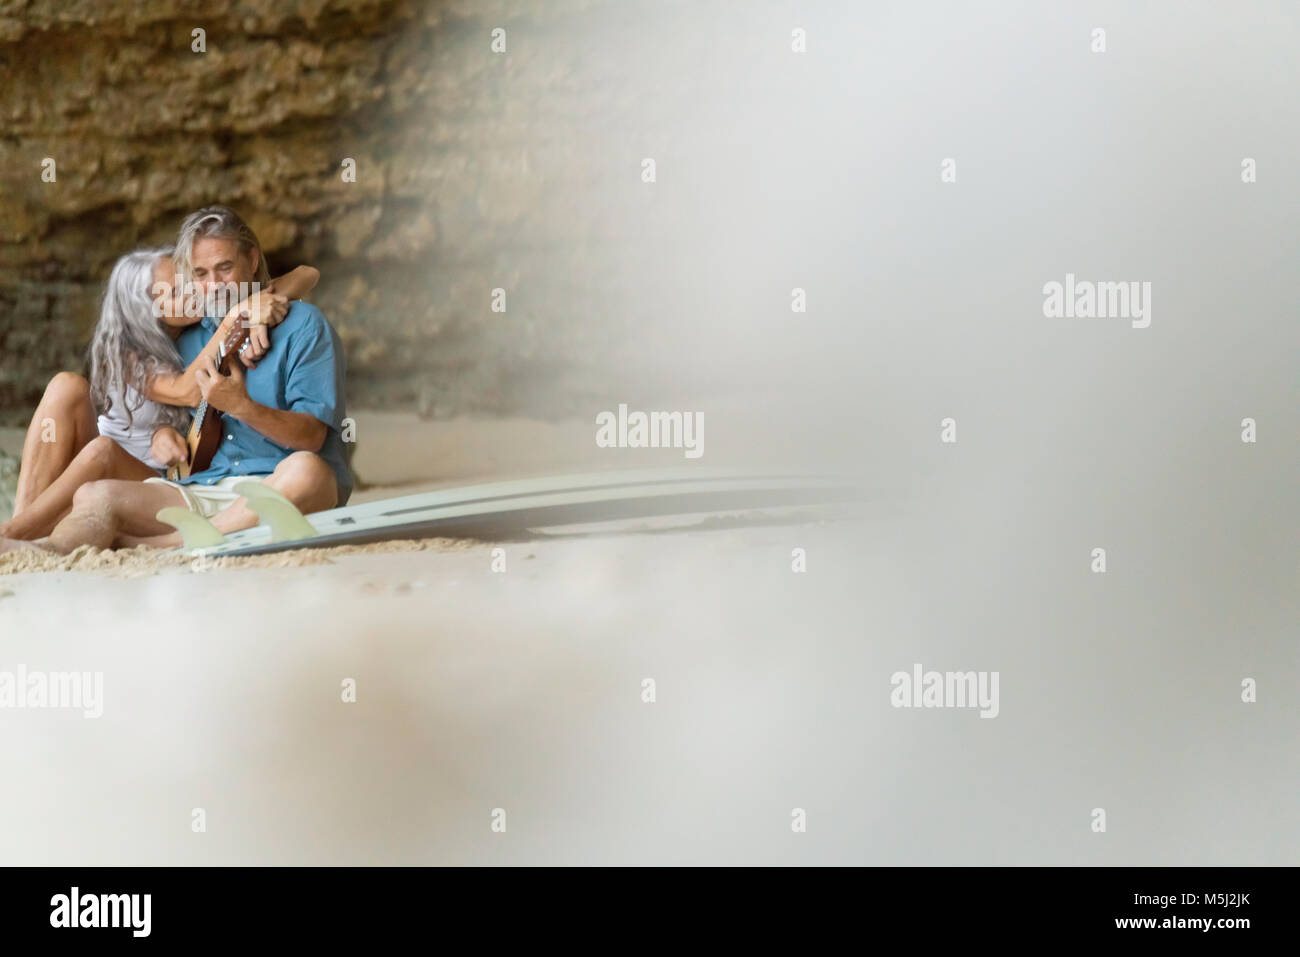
(476, 170)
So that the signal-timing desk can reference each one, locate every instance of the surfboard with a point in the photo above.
(503, 509)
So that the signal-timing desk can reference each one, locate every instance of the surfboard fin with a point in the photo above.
(287, 523)
(196, 531)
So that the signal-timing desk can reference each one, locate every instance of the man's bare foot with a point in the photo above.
(18, 545)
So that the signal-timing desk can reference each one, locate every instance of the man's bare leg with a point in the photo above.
(100, 458)
(106, 512)
(303, 478)
(63, 423)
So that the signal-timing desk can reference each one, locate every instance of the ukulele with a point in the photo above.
(205, 431)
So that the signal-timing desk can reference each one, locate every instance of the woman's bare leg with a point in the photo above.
(100, 458)
(62, 425)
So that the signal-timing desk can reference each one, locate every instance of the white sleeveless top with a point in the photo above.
(138, 436)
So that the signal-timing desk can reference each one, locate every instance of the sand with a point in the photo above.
(136, 562)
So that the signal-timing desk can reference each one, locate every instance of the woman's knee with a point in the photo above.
(99, 453)
(68, 388)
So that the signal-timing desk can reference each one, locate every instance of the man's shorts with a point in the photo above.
(207, 500)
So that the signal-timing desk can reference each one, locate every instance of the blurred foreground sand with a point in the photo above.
(522, 689)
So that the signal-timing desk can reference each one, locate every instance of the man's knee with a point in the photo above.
(306, 465)
(308, 475)
(95, 496)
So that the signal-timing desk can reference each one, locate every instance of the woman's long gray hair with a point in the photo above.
(130, 344)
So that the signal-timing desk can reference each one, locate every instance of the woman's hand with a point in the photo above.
(168, 447)
(258, 313)
(264, 308)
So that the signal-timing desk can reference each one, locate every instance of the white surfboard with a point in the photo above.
(503, 509)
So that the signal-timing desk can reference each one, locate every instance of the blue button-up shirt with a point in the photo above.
(302, 372)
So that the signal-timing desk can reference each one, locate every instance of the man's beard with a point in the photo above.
(222, 297)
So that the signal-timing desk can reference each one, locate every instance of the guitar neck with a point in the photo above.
(229, 347)
(226, 350)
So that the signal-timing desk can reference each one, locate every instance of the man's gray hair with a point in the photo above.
(217, 222)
